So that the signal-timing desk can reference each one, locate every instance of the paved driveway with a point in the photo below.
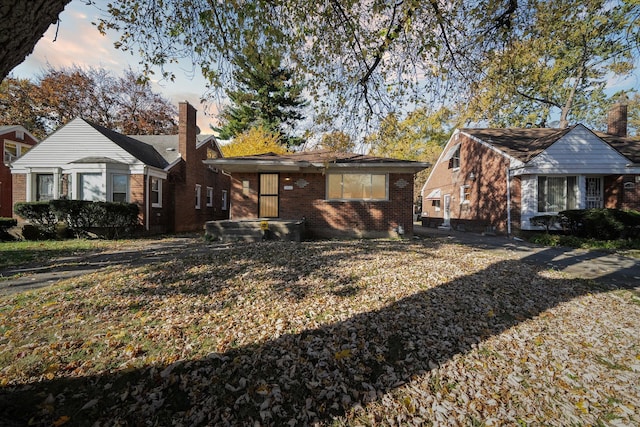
(603, 267)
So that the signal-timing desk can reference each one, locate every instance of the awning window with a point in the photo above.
(435, 194)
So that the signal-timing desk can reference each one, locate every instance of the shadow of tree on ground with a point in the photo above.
(306, 377)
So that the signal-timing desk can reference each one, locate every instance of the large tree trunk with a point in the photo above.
(22, 24)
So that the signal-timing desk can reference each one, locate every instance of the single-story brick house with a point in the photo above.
(15, 142)
(163, 174)
(498, 179)
(337, 194)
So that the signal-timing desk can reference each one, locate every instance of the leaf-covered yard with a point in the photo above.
(322, 333)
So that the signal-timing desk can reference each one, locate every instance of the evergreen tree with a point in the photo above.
(266, 95)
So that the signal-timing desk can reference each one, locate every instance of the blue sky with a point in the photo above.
(79, 43)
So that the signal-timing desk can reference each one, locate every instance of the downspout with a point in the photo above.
(146, 198)
(508, 202)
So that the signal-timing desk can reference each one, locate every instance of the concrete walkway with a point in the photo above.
(611, 269)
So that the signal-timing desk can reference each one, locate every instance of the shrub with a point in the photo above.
(112, 219)
(40, 215)
(106, 219)
(602, 224)
(546, 221)
(77, 215)
(5, 225)
(572, 221)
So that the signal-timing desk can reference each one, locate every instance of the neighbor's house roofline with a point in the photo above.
(315, 161)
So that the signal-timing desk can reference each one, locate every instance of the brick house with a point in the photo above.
(163, 174)
(15, 141)
(337, 194)
(498, 179)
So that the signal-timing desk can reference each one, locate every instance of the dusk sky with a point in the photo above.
(79, 43)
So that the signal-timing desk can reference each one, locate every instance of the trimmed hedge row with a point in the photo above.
(80, 217)
(600, 224)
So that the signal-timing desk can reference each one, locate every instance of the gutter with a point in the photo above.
(508, 201)
(146, 197)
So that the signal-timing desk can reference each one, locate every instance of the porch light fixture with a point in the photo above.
(472, 176)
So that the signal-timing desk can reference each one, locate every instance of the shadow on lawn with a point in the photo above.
(313, 375)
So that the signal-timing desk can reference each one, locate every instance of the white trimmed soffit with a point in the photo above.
(156, 173)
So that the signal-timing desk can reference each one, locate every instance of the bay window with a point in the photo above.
(44, 187)
(91, 186)
(119, 184)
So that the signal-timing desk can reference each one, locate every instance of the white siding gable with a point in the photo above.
(74, 141)
(578, 152)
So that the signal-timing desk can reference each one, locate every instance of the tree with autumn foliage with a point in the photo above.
(124, 103)
(337, 141)
(17, 106)
(559, 66)
(257, 140)
(420, 136)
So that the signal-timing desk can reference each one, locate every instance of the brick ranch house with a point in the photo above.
(15, 142)
(163, 174)
(498, 179)
(337, 194)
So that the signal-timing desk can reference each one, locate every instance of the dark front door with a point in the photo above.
(268, 204)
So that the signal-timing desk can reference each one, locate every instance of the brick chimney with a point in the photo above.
(187, 131)
(617, 120)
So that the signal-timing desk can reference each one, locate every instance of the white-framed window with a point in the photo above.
(11, 151)
(119, 187)
(435, 203)
(557, 193)
(245, 187)
(198, 195)
(209, 196)
(357, 186)
(465, 194)
(91, 187)
(156, 192)
(44, 187)
(14, 150)
(453, 157)
(225, 200)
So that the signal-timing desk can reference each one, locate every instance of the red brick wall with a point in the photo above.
(622, 192)
(6, 180)
(191, 171)
(488, 190)
(324, 217)
(19, 182)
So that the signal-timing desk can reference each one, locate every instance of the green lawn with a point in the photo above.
(28, 252)
(322, 333)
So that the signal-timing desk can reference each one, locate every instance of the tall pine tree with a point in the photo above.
(265, 95)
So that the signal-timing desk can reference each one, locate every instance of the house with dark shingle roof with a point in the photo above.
(498, 179)
(336, 194)
(163, 174)
(15, 141)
